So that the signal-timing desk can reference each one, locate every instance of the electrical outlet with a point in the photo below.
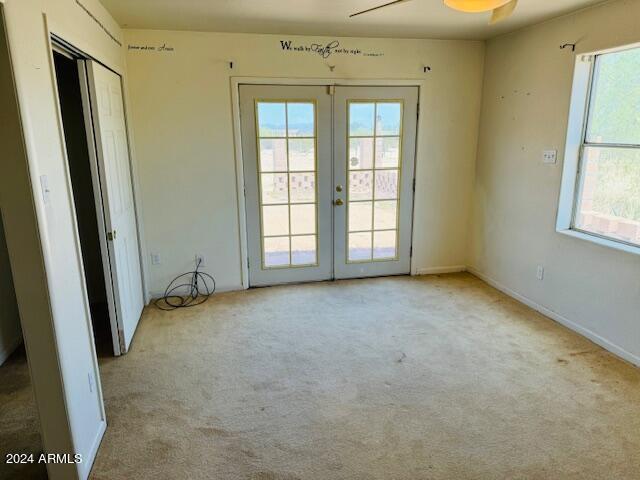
(200, 260)
(540, 273)
(155, 259)
(549, 156)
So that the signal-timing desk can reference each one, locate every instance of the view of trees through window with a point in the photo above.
(609, 202)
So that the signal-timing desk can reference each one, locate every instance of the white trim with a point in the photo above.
(6, 352)
(575, 133)
(95, 372)
(240, 189)
(603, 241)
(237, 141)
(440, 270)
(585, 332)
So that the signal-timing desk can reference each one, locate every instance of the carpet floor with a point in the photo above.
(403, 378)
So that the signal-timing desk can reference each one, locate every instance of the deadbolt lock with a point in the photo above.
(338, 188)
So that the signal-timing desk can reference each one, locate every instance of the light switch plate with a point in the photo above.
(550, 156)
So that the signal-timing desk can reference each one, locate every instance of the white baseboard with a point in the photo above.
(10, 348)
(585, 332)
(439, 270)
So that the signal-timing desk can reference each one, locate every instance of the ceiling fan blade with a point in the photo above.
(503, 12)
(377, 8)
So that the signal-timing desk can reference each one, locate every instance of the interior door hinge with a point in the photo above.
(411, 251)
(414, 185)
(418, 111)
(111, 236)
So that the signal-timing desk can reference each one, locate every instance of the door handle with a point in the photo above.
(338, 202)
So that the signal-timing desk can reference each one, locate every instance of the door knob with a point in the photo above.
(339, 202)
(338, 188)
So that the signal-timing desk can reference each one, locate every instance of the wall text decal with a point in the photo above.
(151, 48)
(100, 24)
(325, 50)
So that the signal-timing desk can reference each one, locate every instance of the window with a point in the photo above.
(605, 200)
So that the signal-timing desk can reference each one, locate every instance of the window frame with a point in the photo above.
(572, 176)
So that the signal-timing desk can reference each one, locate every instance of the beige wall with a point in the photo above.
(42, 238)
(182, 118)
(527, 87)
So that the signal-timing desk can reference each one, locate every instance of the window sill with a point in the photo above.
(601, 241)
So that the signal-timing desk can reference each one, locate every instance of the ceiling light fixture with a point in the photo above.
(475, 6)
(500, 9)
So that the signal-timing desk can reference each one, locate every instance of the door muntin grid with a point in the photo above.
(286, 134)
(374, 171)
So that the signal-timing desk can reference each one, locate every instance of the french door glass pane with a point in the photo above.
(276, 251)
(375, 136)
(388, 118)
(360, 216)
(287, 173)
(303, 187)
(301, 154)
(273, 155)
(303, 250)
(386, 214)
(609, 202)
(387, 152)
(300, 120)
(360, 247)
(274, 188)
(361, 119)
(384, 244)
(361, 185)
(361, 153)
(273, 119)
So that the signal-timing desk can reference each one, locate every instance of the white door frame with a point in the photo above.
(237, 142)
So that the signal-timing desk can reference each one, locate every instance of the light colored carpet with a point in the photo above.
(402, 378)
(19, 428)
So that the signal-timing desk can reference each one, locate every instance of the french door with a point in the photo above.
(328, 181)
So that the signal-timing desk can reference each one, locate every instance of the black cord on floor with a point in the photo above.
(197, 287)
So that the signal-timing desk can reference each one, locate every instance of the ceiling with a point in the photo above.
(411, 19)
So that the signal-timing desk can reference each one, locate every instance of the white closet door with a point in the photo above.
(375, 138)
(112, 147)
